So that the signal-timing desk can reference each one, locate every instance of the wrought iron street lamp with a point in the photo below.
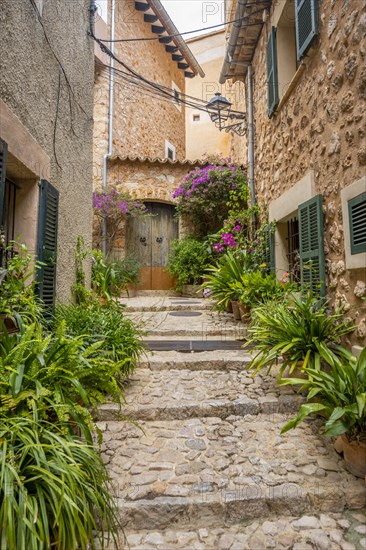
(219, 109)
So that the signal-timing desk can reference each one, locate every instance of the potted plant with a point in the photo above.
(339, 386)
(187, 263)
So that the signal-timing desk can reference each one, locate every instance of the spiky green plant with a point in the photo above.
(53, 489)
(340, 392)
(292, 330)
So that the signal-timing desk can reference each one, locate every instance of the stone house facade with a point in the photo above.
(46, 131)
(139, 130)
(307, 60)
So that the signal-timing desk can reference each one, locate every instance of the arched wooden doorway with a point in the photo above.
(150, 240)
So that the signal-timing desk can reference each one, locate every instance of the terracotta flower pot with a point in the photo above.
(9, 323)
(236, 312)
(354, 455)
(244, 312)
(229, 308)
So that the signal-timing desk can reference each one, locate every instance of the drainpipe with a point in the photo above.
(250, 136)
(108, 154)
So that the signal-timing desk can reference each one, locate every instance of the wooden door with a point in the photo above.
(150, 240)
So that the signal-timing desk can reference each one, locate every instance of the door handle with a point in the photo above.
(143, 241)
(159, 239)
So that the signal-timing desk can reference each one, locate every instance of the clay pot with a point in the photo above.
(9, 323)
(236, 312)
(229, 308)
(354, 455)
(244, 312)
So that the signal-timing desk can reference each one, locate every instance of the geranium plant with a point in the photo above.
(207, 194)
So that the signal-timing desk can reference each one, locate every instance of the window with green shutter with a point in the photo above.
(306, 18)
(269, 255)
(357, 223)
(312, 261)
(47, 244)
(272, 75)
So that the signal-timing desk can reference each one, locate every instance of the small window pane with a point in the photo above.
(196, 118)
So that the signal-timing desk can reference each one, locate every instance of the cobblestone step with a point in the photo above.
(325, 531)
(210, 473)
(179, 394)
(221, 360)
(202, 326)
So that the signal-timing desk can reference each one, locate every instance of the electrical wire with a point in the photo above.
(164, 91)
(147, 39)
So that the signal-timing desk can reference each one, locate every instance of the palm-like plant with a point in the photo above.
(340, 392)
(292, 331)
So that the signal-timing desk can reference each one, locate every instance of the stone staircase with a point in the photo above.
(203, 464)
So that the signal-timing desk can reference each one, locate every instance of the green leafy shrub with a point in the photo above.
(188, 261)
(53, 489)
(120, 340)
(292, 331)
(18, 286)
(257, 287)
(340, 392)
(109, 277)
(223, 279)
(59, 375)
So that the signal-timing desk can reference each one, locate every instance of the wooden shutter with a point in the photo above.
(47, 244)
(357, 223)
(306, 17)
(312, 262)
(272, 73)
(3, 157)
(269, 257)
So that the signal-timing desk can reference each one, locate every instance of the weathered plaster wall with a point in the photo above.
(321, 127)
(142, 122)
(31, 81)
(202, 137)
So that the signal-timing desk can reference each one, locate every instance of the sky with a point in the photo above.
(189, 15)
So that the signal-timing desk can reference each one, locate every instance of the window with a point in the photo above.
(169, 151)
(357, 223)
(353, 199)
(196, 118)
(177, 94)
(312, 261)
(293, 248)
(295, 28)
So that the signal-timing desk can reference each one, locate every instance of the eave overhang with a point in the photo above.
(161, 24)
(243, 38)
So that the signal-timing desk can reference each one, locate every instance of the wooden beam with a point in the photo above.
(183, 66)
(187, 74)
(165, 39)
(141, 6)
(171, 49)
(157, 29)
(177, 57)
(150, 18)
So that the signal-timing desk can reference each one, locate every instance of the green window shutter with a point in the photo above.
(306, 17)
(47, 244)
(357, 223)
(312, 261)
(269, 256)
(3, 157)
(272, 76)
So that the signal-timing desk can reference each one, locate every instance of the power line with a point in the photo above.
(146, 39)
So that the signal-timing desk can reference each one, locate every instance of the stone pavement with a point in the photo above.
(203, 465)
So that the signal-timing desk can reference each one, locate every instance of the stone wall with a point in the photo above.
(146, 181)
(47, 84)
(320, 128)
(142, 122)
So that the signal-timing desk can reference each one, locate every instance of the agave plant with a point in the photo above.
(53, 490)
(292, 331)
(340, 392)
